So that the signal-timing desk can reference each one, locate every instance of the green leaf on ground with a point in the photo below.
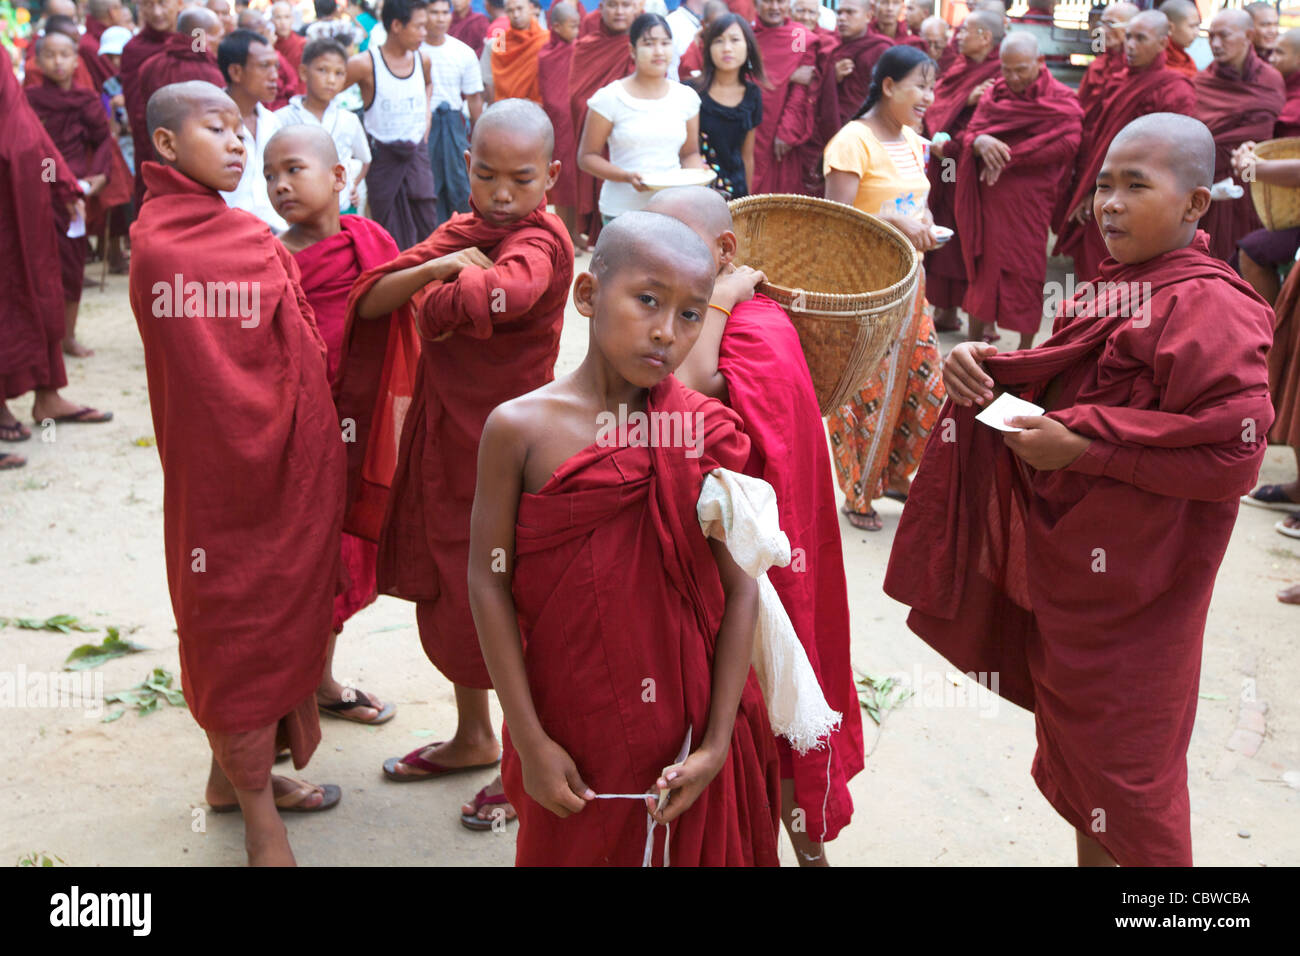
(879, 695)
(147, 695)
(92, 655)
(63, 623)
(36, 858)
(110, 717)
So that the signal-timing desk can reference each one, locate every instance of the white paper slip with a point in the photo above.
(1006, 406)
(77, 228)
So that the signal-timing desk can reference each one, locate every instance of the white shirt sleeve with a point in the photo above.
(688, 101)
(360, 144)
(605, 102)
(471, 75)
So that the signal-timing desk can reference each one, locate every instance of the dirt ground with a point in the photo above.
(946, 783)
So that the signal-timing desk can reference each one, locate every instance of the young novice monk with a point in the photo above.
(636, 629)
(748, 356)
(304, 178)
(1076, 558)
(253, 465)
(489, 288)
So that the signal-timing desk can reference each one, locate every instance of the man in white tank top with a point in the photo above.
(394, 82)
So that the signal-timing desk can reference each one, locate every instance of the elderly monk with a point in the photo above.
(789, 101)
(1239, 97)
(599, 58)
(514, 54)
(1012, 159)
(554, 62)
(1264, 16)
(955, 96)
(1286, 60)
(287, 43)
(1106, 66)
(100, 15)
(467, 26)
(159, 18)
(934, 31)
(1145, 85)
(1184, 28)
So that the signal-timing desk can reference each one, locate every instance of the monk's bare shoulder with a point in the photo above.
(542, 429)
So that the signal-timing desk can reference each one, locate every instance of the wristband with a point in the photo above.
(725, 312)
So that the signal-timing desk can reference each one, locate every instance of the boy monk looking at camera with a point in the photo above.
(1076, 557)
(617, 635)
(253, 465)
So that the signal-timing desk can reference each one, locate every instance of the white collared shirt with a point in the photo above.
(251, 195)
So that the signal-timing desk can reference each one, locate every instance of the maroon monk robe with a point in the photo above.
(553, 65)
(1134, 93)
(78, 126)
(1000, 223)
(1177, 59)
(1236, 107)
(1085, 589)
(88, 49)
(945, 272)
(177, 62)
(615, 584)
(503, 327)
(291, 47)
(1284, 364)
(1097, 74)
(692, 61)
(770, 388)
(32, 76)
(288, 86)
(471, 29)
(33, 215)
(743, 7)
(1288, 121)
(599, 58)
(253, 467)
(839, 100)
(356, 369)
(589, 23)
(789, 109)
(951, 53)
(138, 49)
(901, 32)
(825, 110)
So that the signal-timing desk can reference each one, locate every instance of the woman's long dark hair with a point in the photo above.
(751, 71)
(894, 64)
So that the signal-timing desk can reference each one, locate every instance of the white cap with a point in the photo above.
(113, 40)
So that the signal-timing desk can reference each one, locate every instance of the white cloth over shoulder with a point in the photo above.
(741, 512)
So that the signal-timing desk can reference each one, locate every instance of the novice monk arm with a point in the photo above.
(731, 659)
(550, 775)
(502, 292)
(395, 289)
(700, 368)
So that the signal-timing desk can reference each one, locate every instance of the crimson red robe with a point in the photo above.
(950, 54)
(32, 76)
(177, 62)
(1177, 59)
(290, 47)
(692, 61)
(615, 584)
(599, 58)
(945, 272)
(1288, 121)
(1134, 93)
(1097, 74)
(504, 326)
(841, 99)
(361, 378)
(471, 29)
(138, 49)
(1284, 364)
(99, 68)
(1236, 107)
(33, 215)
(901, 32)
(745, 8)
(253, 468)
(770, 388)
(789, 109)
(553, 64)
(1085, 590)
(998, 223)
(288, 86)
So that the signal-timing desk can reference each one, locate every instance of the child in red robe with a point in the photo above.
(489, 288)
(304, 180)
(618, 636)
(1075, 556)
(554, 62)
(253, 465)
(748, 356)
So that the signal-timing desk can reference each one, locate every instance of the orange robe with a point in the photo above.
(514, 63)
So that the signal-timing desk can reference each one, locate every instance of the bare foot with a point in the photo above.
(50, 404)
(9, 462)
(490, 812)
(947, 320)
(1290, 595)
(868, 521)
(76, 349)
(331, 692)
(452, 754)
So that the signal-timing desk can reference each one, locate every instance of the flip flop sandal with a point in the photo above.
(292, 802)
(471, 821)
(991, 338)
(896, 495)
(1271, 497)
(340, 709)
(1281, 528)
(432, 771)
(10, 462)
(85, 415)
(15, 433)
(858, 514)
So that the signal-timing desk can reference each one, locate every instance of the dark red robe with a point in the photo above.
(745, 8)
(1236, 107)
(901, 32)
(1134, 93)
(789, 109)
(253, 468)
(840, 100)
(998, 223)
(504, 326)
(291, 48)
(81, 76)
(138, 49)
(1288, 121)
(33, 215)
(356, 367)
(177, 62)
(99, 68)
(599, 58)
(553, 65)
(770, 388)
(1085, 590)
(608, 517)
(289, 85)
(945, 271)
(471, 29)
(1098, 73)
(1284, 364)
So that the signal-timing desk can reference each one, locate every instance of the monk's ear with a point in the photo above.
(552, 174)
(584, 294)
(1198, 204)
(727, 246)
(468, 164)
(339, 175)
(164, 143)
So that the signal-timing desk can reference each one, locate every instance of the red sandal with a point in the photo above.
(472, 821)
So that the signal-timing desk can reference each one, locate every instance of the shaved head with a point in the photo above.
(169, 107)
(305, 140)
(101, 9)
(61, 8)
(562, 12)
(1152, 20)
(1126, 11)
(198, 18)
(1022, 42)
(1185, 145)
(516, 117)
(712, 10)
(987, 21)
(701, 208)
(640, 236)
(1237, 19)
(1180, 11)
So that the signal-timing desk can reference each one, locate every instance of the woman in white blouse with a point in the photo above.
(650, 124)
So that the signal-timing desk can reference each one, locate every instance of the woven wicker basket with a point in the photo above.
(1278, 206)
(845, 277)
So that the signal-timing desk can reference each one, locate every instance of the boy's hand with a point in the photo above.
(685, 782)
(450, 265)
(1045, 444)
(354, 199)
(736, 286)
(552, 779)
(964, 376)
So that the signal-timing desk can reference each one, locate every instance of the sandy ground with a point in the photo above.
(946, 783)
